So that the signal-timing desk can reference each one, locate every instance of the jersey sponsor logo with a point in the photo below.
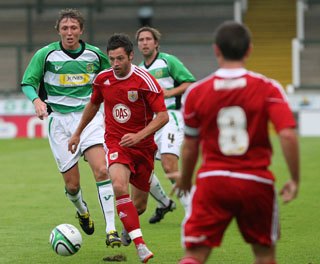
(74, 79)
(227, 84)
(114, 155)
(90, 67)
(158, 73)
(107, 82)
(121, 113)
(132, 96)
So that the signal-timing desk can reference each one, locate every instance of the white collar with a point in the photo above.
(230, 73)
(127, 76)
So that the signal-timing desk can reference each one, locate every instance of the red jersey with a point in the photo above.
(230, 111)
(129, 103)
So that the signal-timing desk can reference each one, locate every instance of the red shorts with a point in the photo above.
(219, 199)
(140, 162)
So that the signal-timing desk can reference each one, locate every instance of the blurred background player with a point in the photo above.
(134, 109)
(63, 71)
(226, 116)
(174, 78)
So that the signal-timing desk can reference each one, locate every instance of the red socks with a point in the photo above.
(129, 217)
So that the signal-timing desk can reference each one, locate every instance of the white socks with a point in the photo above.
(158, 192)
(106, 199)
(78, 202)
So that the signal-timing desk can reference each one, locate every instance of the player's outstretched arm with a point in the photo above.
(290, 148)
(87, 115)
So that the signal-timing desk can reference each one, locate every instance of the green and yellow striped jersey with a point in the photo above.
(65, 76)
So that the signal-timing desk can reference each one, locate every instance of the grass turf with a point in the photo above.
(33, 203)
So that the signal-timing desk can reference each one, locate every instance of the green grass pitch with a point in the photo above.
(32, 203)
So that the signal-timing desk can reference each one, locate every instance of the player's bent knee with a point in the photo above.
(119, 189)
(170, 164)
(72, 189)
(101, 174)
(141, 209)
(140, 204)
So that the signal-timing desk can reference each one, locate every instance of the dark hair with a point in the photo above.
(70, 13)
(120, 40)
(233, 39)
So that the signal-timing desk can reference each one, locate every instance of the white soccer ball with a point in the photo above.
(65, 239)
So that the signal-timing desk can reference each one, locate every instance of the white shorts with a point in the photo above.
(60, 129)
(169, 138)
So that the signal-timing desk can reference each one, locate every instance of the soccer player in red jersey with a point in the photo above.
(134, 110)
(226, 117)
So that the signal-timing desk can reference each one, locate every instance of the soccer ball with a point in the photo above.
(65, 239)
